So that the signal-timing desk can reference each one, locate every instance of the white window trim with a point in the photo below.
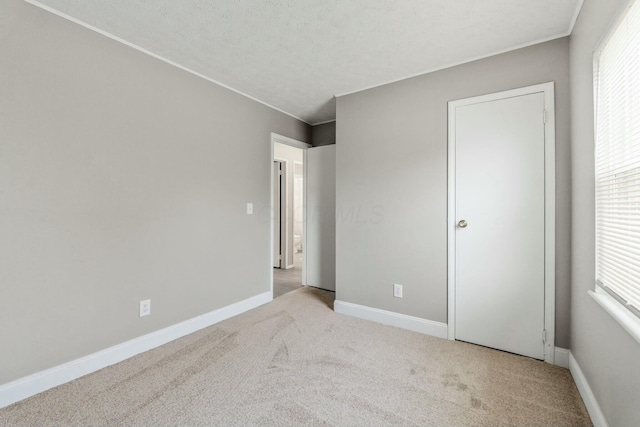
(620, 313)
(629, 321)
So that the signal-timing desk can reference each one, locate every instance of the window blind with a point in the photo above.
(617, 160)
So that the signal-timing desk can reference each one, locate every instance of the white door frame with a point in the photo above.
(282, 195)
(304, 146)
(550, 201)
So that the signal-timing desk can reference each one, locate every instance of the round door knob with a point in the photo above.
(462, 224)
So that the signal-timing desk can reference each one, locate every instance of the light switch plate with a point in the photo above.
(397, 290)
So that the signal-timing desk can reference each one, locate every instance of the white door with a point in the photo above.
(277, 211)
(500, 224)
(321, 217)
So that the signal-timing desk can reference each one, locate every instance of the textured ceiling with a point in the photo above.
(295, 55)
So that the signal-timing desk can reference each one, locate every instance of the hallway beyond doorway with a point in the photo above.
(288, 280)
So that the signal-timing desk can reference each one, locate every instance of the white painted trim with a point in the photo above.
(455, 64)
(596, 414)
(629, 321)
(283, 211)
(304, 218)
(155, 55)
(562, 357)
(44, 380)
(202, 76)
(550, 197)
(550, 220)
(323, 123)
(451, 210)
(416, 324)
(289, 141)
(271, 212)
(575, 17)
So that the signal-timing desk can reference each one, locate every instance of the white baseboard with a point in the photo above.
(561, 357)
(403, 321)
(44, 380)
(597, 416)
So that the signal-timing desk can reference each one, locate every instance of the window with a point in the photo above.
(617, 160)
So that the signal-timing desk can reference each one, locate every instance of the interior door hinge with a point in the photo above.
(544, 335)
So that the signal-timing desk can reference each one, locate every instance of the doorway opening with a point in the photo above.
(288, 225)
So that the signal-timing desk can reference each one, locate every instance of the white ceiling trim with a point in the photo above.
(572, 24)
(176, 39)
(325, 122)
(455, 64)
(575, 17)
(161, 58)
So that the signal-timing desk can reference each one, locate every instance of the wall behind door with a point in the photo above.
(392, 160)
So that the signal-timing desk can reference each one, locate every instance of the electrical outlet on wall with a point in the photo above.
(397, 290)
(145, 307)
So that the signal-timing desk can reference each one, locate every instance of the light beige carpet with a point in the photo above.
(295, 362)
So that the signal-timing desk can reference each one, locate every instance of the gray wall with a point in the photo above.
(392, 181)
(607, 354)
(121, 178)
(324, 134)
